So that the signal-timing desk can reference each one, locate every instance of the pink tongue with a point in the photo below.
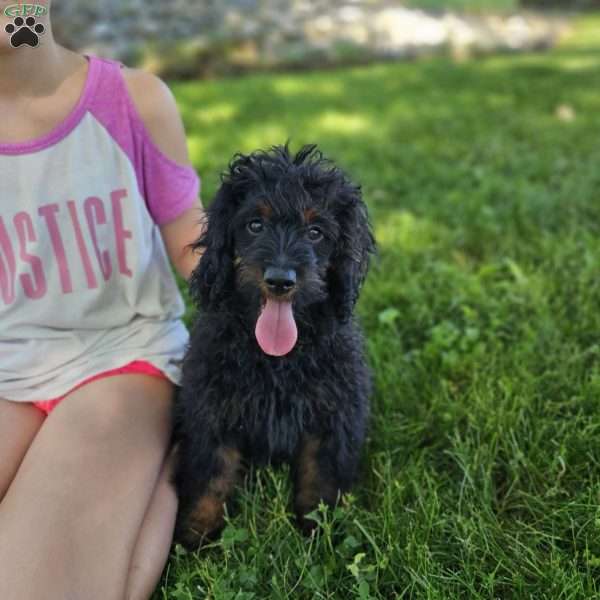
(276, 331)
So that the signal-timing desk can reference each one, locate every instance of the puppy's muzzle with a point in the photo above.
(279, 281)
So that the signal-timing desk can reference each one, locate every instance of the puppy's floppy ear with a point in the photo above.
(350, 260)
(212, 278)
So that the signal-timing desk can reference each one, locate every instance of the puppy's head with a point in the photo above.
(284, 232)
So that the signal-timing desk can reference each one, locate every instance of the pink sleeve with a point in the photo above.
(169, 188)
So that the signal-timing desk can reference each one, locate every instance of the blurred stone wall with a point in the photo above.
(189, 38)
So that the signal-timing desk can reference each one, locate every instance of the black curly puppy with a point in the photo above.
(275, 369)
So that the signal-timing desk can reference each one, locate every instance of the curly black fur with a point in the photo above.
(238, 404)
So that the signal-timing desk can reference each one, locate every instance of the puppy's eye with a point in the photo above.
(255, 226)
(315, 234)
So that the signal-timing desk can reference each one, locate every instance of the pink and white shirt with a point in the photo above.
(85, 280)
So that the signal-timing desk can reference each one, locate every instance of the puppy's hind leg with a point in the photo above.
(323, 468)
(204, 492)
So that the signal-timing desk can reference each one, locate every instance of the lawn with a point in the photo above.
(499, 6)
(481, 475)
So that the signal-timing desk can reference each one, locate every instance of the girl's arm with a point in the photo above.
(158, 110)
(184, 230)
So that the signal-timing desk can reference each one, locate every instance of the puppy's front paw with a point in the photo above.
(202, 525)
(192, 539)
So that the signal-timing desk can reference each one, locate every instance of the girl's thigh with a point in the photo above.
(19, 423)
(76, 505)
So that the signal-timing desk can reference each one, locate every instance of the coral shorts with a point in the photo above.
(137, 366)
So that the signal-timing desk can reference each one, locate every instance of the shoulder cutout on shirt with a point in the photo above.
(158, 109)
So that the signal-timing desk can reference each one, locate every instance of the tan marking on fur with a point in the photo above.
(222, 486)
(310, 485)
(207, 516)
(310, 214)
(249, 274)
(265, 210)
(208, 513)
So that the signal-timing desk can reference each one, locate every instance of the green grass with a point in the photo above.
(466, 5)
(481, 476)
(499, 6)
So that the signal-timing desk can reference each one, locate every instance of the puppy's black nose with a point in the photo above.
(280, 281)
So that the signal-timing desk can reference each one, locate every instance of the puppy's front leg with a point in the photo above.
(204, 491)
(323, 468)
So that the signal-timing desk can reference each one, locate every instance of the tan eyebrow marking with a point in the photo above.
(265, 210)
(310, 214)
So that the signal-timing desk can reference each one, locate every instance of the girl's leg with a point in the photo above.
(73, 513)
(154, 541)
(19, 422)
